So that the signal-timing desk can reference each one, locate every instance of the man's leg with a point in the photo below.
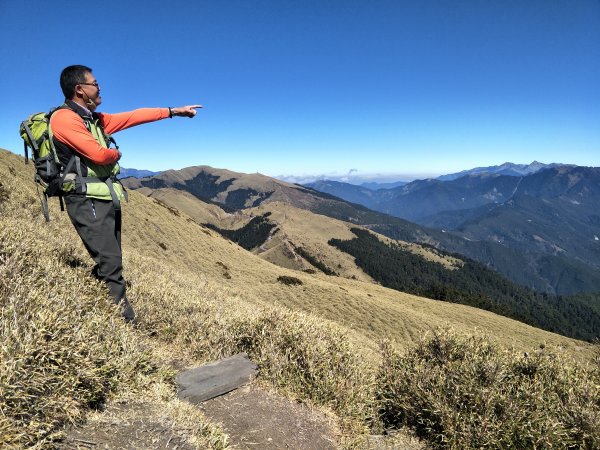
(99, 226)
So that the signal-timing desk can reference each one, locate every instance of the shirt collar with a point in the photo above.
(81, 110)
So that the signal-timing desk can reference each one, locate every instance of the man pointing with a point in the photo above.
(82, 140)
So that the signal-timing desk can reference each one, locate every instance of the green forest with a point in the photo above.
(315, 262)
(251, 235)
(472, 284)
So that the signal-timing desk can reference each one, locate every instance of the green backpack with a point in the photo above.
(49, 173)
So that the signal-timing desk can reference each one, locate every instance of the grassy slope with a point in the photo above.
(297, 228)
(190, 247)
(63, 348)
(176, 270)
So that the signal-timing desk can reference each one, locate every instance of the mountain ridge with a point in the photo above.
(149, 222)
(506, 168)
(540, 267)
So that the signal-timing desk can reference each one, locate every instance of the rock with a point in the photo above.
(211, 380)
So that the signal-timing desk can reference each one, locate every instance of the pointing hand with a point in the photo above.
(185, 111)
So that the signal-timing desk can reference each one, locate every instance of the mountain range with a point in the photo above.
(138, 173)
(540, 227)
(507, 168)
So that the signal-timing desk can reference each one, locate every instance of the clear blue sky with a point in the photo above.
(321, 87)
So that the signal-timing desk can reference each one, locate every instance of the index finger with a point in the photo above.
(195, 106)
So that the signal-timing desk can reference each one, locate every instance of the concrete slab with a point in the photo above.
(211, 380)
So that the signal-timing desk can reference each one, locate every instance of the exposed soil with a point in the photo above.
(252, 418)
(125, 427)
(256, 419)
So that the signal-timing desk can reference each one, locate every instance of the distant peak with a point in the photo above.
(537, 164)
(505, 165)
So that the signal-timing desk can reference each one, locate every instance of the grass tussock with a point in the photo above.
(290, 281)
(465, 392)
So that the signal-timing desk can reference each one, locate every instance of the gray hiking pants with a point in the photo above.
(99, 226)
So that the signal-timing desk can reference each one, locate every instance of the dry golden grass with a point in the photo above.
(63, 347)
(429, 254)
(317, 340)
(302, 228)
(187, 203)
(464, 392)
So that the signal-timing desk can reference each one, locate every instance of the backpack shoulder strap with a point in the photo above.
(107, 137)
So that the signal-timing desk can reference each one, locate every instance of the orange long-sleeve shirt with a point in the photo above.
(69, 128)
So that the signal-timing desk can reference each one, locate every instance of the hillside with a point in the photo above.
(199, 296)
(299, 239)
(470, 283)
(215, 186)
(296, 237)
(148, 224)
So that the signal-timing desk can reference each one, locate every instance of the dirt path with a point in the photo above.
(252, 417)
(256, 419)
(125, 427)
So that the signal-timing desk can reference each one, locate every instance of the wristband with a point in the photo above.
(170, 113)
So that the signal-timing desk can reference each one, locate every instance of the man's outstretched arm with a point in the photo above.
(121, 121)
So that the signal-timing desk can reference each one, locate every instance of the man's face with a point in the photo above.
(91, 91)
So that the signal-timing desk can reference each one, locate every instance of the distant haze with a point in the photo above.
(357, 177)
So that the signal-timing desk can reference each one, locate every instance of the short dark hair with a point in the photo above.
(72, 76)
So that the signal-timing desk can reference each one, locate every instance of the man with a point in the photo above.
(81, 137)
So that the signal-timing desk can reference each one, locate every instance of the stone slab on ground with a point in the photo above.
(211, 380)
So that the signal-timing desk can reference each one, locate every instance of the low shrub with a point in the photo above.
(309, 358)
(465, 392)
(290, 281)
